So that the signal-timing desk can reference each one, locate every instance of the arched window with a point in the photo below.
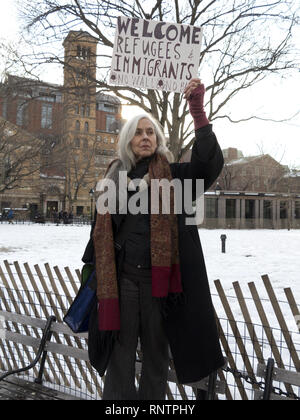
(77, 125)
(77, 143)
(86, 127)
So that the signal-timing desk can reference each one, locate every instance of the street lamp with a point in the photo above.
(217, 192)
(92, 192)
(218, 189)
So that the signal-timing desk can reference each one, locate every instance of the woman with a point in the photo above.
(151, 280)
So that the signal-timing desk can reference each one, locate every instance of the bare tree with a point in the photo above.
(20, 161)
(79, 171)
(244, 42)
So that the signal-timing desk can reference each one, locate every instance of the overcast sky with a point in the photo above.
(273, 98)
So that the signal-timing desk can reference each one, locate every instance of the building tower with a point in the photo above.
(79, 99)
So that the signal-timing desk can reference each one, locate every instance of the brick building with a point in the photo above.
(253, 192)
(78, 126)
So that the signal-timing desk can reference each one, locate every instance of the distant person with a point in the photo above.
(65, 217)
(55, 217)
(60, 216)
(10, 216)
(70, 217)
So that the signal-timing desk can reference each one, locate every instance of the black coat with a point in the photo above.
(191, 327)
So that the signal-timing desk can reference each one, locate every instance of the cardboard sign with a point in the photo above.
(155, 55)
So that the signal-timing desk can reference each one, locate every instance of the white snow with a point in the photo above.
(61, 245)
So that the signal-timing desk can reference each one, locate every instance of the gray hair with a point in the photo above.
(127, 159)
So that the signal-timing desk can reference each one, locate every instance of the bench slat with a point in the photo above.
(23, 319)
(203, 384)
(280, 375)
(258, 395)
(67, 351)
(50, 346)
(22, 339)
(58, 327)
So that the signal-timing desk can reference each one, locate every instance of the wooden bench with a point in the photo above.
(12, 387)
(271, 374)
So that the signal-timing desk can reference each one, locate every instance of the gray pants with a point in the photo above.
(140, 317)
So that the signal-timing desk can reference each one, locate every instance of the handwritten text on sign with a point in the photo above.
(155, 55)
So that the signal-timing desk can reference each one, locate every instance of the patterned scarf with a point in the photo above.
(166, 278)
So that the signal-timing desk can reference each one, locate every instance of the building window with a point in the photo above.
(77, 125)
(79, 210)
(101, 106)
(86, 127)
(77, 109)
(267, 209)
(77, 143)
(47, 97)
(98, 160)
(88, 110)
(110, 123)
(46, 121)
(21, 113)
(99, 139)
(297, 209)
(4, 108)
(283, 209)
(211, 208)
(249, 209)
(84, 53)
(85, 143)
(230, 208)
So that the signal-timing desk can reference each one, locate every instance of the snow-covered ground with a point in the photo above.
(249, 254)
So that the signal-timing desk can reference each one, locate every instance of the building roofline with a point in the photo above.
(79, 34)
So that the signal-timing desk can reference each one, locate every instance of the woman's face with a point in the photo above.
(144, 143)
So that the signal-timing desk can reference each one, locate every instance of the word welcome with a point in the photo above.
(171, 31)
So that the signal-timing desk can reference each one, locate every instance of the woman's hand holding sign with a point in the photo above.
(194, 93)
(192, 85)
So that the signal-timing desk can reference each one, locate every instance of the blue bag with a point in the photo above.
(78, 315)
